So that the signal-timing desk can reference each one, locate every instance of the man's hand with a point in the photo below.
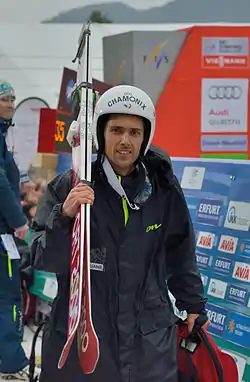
(22, 232)
(191, 322)
(81, 194)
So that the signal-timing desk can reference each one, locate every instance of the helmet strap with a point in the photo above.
(115, 184)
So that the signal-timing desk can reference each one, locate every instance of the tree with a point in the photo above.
(97, 17)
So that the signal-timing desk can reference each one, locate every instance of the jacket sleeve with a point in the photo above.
(50, 243)
(10, 209)
(184, 280)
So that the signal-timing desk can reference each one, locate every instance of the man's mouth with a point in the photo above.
(124, 152)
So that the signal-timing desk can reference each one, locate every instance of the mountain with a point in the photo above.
(178, 11)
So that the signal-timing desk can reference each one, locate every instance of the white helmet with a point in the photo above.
(124, 99)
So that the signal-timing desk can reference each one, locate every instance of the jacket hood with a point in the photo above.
(159, 164)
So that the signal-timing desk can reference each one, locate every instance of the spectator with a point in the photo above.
(13, 362)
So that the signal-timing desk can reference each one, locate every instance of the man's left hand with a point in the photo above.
(191, 321)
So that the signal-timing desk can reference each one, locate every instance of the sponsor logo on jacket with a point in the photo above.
(228, 244)
(241, 272)
(205, 240)
(153, 227)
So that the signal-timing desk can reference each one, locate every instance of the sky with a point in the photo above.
(33, 11)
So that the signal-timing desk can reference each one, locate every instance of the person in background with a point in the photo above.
(13, 361)
(40, 189)
(26, 184)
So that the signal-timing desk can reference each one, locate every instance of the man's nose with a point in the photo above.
(125, 138)
(10, 103)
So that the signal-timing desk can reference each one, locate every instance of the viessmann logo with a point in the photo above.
(225, 52)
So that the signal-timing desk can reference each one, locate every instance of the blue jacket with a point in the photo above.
(11, 215)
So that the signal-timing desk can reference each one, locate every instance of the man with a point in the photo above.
(13, 362)
(141, 236)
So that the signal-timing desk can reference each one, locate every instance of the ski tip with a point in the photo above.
(61, 361)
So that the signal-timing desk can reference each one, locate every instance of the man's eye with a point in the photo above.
(135, 132)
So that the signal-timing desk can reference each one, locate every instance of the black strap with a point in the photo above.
(32, 360)
(212, 352)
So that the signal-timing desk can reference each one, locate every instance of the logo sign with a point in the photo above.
(193, 178)
(244, 248)
(128, 101)
(208, 211)
(225, 52)
(225, 92)
(218, 318)
(238, 329)
(217, 288)
(203, 261)
(241, 272)
(223, 266)
(238, 216)
(237, 295)
(205, 240)
(224, 105)
(224, 143)
(228, 244)
(158, 56)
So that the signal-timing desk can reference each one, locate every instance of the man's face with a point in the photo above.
(7, 107)
(123, 137)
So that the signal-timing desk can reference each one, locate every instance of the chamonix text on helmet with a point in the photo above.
(127, 99)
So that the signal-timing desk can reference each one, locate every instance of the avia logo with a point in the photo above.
(228, 244)
(153, 227)
(242, 272)
(157, 56)
(205, 240)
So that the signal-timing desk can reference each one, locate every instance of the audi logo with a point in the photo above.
(225, 92)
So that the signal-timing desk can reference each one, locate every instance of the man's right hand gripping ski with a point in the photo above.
(81, 194)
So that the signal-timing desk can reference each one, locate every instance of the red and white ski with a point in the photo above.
(80, 138)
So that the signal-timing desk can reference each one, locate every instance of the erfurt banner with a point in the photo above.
(218, 198)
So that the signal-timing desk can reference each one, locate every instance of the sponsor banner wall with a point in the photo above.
(203, 110)
(218, 198)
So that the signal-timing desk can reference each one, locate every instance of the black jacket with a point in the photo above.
(132, 314)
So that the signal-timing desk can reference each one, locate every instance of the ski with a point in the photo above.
(80, 139)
